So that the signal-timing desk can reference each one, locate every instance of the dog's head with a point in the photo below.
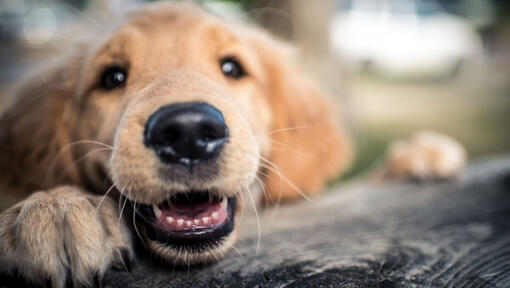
(193, 108)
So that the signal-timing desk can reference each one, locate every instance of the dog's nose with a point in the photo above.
(186, 133)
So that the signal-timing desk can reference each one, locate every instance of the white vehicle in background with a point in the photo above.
(403, 37)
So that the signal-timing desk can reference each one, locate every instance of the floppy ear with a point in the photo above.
(308, 145)
(33, 129)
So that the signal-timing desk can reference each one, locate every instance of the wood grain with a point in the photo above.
(366, 235)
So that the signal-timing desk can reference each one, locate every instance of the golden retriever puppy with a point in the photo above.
(176, 116)
(176, 112)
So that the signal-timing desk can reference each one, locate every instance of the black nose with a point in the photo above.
(186, 133)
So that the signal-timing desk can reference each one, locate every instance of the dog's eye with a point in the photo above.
(113, 77)
(232, 68)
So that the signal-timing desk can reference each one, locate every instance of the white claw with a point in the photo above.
(180, 222)
(196, 221)
(188, 223)
(214, 215)
(169, 219)
(205, 220)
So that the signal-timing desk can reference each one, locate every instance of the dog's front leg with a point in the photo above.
(63, 236)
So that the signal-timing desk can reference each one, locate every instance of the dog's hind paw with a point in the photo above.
(63, 237)
(427, 156)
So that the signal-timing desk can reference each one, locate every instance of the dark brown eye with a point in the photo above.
(232, 68)
(113, 77)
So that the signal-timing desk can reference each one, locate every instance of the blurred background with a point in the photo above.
(395, 66)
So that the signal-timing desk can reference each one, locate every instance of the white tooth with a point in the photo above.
(205, 220)
(180, 222)
(188, 223)
(157, 211)
(214, 215)
(169, 219)
(196, 221)
(223, 203)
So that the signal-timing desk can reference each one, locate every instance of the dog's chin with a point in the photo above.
(191, 227)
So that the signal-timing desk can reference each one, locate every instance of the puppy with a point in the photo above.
(159, 129)
(175, 114)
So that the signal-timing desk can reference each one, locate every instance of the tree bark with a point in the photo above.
(450, 234)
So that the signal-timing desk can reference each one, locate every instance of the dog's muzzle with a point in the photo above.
(187, 139)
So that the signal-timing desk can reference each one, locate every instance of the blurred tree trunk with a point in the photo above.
(312, 19)
(307, 24)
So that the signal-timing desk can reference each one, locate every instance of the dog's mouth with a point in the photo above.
(195, 219)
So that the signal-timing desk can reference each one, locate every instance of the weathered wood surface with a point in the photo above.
(392, 235)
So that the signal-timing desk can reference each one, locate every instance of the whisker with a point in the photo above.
(175, 262)
(242, 200)
(134, 224)
(219, 252)
(237, 251)
(188, 263)
(266, 190)
(69, 146)
(276, 203)
(291, 128)
(84, 157)
(263, 186)
(268, 196)
(121, 190)
(123, 206)
(287, 147)
(72, 144)
(259, 234)
(294, 187)
(277, 170)
(103, 197)
(281, 143)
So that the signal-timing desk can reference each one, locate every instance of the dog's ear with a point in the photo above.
(35, 129)
(308, 145)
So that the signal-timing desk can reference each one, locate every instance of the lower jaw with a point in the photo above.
(184, 256)
(197, 246)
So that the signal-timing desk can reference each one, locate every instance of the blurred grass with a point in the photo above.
(476, 112)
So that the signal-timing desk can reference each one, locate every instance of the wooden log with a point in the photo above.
(370, 235)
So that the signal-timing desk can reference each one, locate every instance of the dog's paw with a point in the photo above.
(426, 156)
(63, 237)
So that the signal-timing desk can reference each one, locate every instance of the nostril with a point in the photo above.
(209, 132)
(171, 134)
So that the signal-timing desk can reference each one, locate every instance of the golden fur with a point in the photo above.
(72, 141)
(281, 126)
